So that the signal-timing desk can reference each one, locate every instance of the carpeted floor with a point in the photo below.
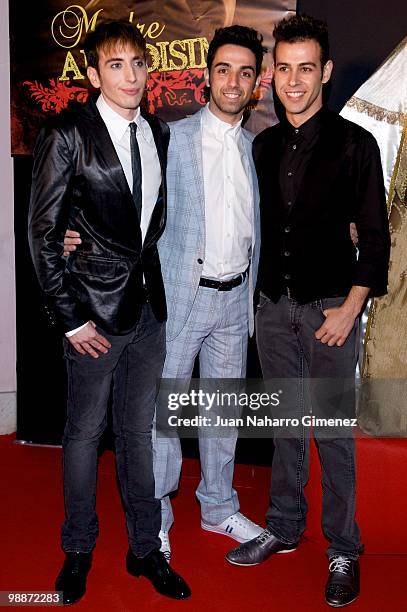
(31, 511)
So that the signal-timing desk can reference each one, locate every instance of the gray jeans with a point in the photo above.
(133, 366)
(318, 380)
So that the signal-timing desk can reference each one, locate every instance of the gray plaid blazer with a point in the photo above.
(183, 241)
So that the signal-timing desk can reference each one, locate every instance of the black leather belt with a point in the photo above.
(224, 285)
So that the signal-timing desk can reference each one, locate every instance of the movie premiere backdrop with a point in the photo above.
(49, 64)
(48, 71)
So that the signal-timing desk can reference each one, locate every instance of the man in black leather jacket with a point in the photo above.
(102, 169)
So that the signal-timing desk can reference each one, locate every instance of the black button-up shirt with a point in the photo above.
(298, 144)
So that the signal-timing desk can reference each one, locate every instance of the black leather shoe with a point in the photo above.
(72, 577)
(343, 581)
(156, 568)
(259, 549)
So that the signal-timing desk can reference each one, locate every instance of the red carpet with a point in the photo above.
(31, 512)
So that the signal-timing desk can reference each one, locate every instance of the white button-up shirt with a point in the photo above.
(228, 206)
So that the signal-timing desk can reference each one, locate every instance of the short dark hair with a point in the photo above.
(241, 36)
(298, 28)
(107, 35)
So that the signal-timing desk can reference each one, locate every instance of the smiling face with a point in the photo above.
(232, 80)
(298, 79)
(121, 77)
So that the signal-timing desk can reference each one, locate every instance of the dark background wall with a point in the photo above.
(362, 33)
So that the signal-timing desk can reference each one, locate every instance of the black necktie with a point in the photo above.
(136, 168)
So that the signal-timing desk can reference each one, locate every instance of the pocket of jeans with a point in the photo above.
(331, 302)
(263, 300)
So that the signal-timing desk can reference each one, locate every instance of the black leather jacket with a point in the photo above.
(78, 182)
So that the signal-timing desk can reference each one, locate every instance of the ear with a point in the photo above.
(206, 77)
(93, 76)
(273, 71)
(327, 71)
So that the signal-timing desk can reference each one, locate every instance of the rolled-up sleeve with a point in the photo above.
(371, 218)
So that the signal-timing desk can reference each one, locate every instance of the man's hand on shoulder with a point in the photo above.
(88, 341)
(71, 239)
(340, 320)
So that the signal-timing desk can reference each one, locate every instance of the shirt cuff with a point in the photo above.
(375, 277)
(73, 331)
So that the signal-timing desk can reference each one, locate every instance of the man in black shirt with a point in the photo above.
(317, 174)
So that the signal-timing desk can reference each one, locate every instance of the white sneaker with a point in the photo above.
(165, 545)
(237, 526)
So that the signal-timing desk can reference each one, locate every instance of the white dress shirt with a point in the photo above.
(228, 194)
(119, 132)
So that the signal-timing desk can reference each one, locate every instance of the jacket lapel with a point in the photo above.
(252, 177)
(268, 157)
(99, 135)
(189, 146)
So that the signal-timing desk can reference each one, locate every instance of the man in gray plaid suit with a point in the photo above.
(209, 257)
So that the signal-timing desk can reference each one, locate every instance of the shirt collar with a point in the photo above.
(214, 126)
(118, 124)
(307, 130)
